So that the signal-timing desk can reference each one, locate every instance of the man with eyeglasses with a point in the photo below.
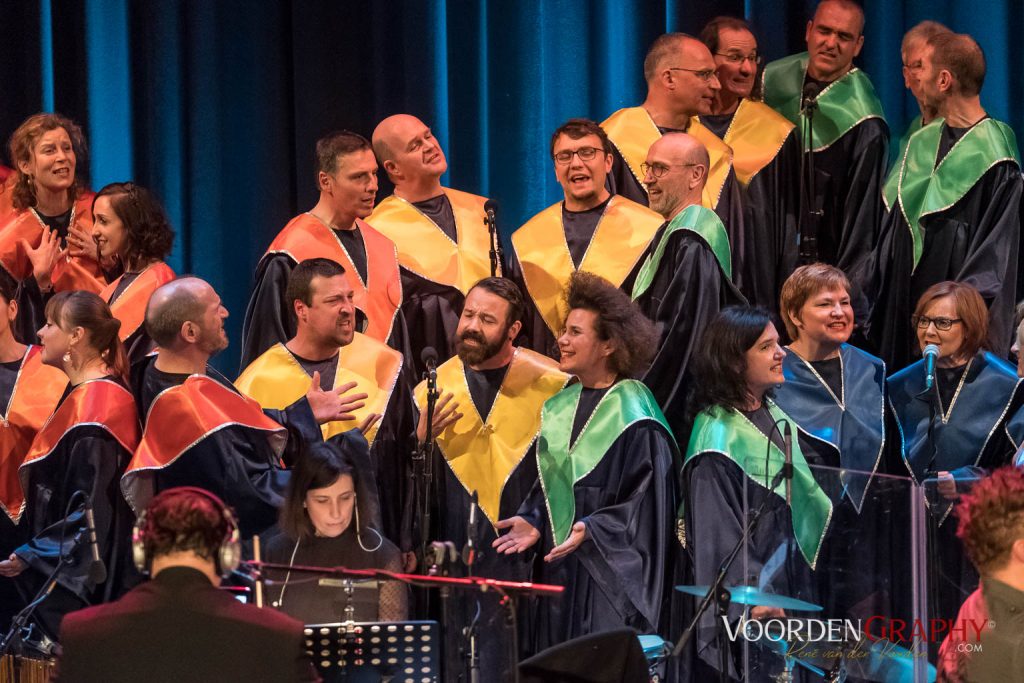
(681, 86)
(441, 234)
(957, 210)
(766, 159)
(685, 275)
(589, 230)
(850, 139)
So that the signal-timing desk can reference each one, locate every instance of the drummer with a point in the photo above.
(736, 371)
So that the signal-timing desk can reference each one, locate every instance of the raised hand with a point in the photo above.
(44, 257)
(81, 243)
(333, 405)
(367, 424)
(576, 537)
(519, 537)
(444, 415)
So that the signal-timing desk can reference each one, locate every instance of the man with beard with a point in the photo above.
(850, 138)
(589, 230)
(198, 430)
(441, 234)
(958, 202)
(766, 159)
(682, 83)
(684, 277)
(914, 43)
(334, 228)
(489, 451)
(326, 352)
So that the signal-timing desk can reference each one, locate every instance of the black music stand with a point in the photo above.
(365, 652)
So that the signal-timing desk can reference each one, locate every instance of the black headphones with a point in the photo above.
(229, 553)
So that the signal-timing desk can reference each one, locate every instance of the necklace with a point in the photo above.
(963, 378)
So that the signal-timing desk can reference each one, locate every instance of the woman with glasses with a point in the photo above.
(131, 229)
(44, 240)
(951, 422)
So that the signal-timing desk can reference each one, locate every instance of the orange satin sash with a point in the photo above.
(130, 306)
(380, 296)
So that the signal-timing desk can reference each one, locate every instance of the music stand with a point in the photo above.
(396, 651)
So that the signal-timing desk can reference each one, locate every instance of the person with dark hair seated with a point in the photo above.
(604, 506)
(29, 391)
(131, 228)
(953, 432)
(735, 450)
(74, 464)
(178, 626)
(199, 430)
(324, 524)
(328, 353)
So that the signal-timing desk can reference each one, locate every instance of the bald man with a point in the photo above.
(441, 234)
(682, 84)
(199, 430)
(685, 274)
(841, 223)
(958, 202)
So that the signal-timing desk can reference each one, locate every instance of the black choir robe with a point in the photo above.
(84, 446)
(243, 464)
(976, 240)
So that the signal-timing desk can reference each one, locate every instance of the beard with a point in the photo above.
(474, 355)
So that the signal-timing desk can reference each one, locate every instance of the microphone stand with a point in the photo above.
(810, 214)
(425, 460)
(719, 594)
(496, 251)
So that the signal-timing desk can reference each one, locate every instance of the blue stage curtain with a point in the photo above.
(217, 105)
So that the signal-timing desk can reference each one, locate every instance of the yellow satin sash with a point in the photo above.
(426, 250)
(275, 380)
(483, 451)
(633, 132)
(756, 135)
(625, 230)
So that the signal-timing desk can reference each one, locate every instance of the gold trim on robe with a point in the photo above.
(633, 131)
(756, 134)
(483, 451)
(425, 249)
(130, 306)
(624, 231)
(37, 389)
(307, 237)
(276, 380)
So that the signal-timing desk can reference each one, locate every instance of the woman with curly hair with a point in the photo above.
(44, 241)
(131, 228)
(602, 513)
(735, 451)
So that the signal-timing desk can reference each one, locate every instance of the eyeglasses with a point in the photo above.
(584, 153)
(737, 58)
(658, 170)
(703, 74)
(942, 324)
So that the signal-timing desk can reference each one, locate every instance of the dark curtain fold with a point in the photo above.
(217, 105)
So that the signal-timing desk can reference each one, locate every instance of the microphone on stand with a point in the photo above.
(787, 438)
(97, 570)
(810, 94)
(931, 354)
(429, 358)
(490, 209)
(469, 550)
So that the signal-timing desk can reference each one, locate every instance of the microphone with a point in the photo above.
(429, 358)
(469, 551)
(491, 207)
(97, 570)
(787, 438)
(931, 353)
(810, 94)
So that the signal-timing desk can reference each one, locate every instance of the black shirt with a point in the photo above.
(439, 210)
(831, 371)
(950, 136)
(59, 223)
(718, 123)
(947, 380)
(328, 368)
(765, 423)
(352, 240)
(484, 386)
(8, 378)
(579, 227)
(126, 280)
(589, 398)
(153, 383)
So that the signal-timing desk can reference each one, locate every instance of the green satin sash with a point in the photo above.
(700, 220)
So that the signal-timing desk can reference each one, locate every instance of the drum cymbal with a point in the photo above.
(748, 595)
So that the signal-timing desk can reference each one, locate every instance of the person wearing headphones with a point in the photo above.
(179, 626)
